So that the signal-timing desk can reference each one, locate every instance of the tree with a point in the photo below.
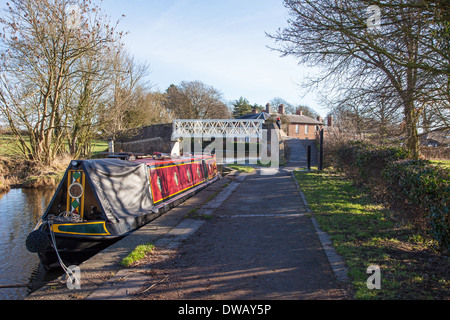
(128, 88)
(363, 59)
(241, 107)
(289, 108)
(196, 100)
(48, 52)
(87, 94)
(149, 109)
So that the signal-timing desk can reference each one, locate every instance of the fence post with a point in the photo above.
(111, 145)
(308, 158)
(321, 151)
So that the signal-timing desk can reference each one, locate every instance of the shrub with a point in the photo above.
(346, 157)
(427, 187)
(364, 161)
(373, 159)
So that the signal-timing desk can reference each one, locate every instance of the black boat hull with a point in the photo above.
(72, 252)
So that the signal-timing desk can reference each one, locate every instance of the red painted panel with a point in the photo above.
(156, 191)
(170, 177)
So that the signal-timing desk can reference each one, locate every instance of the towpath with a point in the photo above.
(258, 245)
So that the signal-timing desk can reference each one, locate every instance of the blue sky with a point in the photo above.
(221, 43)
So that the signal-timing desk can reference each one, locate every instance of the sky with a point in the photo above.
(221, 43)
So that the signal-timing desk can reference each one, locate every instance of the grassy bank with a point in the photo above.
(366, 233)
(15, 171)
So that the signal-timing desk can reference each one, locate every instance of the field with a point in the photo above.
(9, 146)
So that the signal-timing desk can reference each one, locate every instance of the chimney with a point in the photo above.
(319, 118)
(281, 109)
(299, 112)
(330, 121)
(268, 108)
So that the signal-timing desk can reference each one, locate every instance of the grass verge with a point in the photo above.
(241, 168)
(137, 254)
(366, 233)
(442, 163)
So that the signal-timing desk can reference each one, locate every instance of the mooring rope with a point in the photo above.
(67, 271)
(26, 285)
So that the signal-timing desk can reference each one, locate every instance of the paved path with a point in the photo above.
(258, 245)
(297, 152)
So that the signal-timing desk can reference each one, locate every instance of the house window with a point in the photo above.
(306, 129)
(297, 128)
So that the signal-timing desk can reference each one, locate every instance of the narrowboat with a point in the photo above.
(100, 201)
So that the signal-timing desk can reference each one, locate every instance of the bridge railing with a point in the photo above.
(234, 128)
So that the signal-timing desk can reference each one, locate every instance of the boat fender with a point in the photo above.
(37, 241)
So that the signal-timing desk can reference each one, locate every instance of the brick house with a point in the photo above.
(300, 126)
(295, 126)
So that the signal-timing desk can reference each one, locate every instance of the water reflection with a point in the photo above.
(20, 209)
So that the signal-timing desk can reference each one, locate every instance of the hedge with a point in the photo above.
(424, 186)
(364, 162)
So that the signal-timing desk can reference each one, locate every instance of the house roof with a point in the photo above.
(261, 115)
(293, 118)
(442, 137)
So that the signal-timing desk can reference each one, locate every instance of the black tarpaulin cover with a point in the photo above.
(122, 187)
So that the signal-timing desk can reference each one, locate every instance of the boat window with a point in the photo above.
(198, 172)
(75, 190)
(188, 175)
(158, 182)
(175, 177)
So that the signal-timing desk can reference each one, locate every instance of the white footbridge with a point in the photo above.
(234, 128)
(184, 130)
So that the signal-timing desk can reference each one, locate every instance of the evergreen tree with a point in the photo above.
(241, 107)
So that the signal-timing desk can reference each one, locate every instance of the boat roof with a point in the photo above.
(150, 161)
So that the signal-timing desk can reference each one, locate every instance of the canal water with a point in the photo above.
(20, 209)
